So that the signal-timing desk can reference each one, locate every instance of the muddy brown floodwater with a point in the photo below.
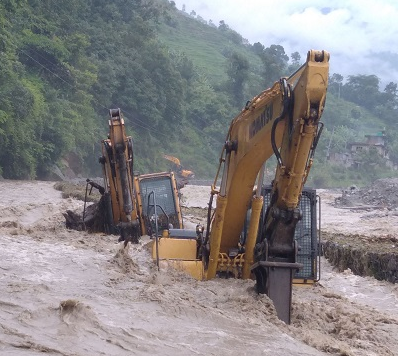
(70, 293)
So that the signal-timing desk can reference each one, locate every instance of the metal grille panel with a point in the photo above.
(305, 234)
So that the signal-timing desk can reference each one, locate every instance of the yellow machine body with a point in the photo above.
(283, 121)
(180, 254)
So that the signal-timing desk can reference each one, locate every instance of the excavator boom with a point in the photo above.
(117, 163)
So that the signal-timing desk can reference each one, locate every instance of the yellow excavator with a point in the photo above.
(131, 205)
(283, 121)
(183, 175)
(117, 163)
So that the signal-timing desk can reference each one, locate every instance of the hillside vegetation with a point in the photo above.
(178, 80)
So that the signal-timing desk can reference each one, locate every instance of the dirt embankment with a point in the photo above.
(361, 229)
(376, 257)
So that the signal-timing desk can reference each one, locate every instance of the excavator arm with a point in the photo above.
(283, 121)
(117, 162)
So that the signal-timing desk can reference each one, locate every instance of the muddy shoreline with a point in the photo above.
(374, 257)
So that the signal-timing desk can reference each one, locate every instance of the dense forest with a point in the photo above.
(178, 79)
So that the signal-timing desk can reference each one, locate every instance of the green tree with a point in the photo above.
(258, 48)
(238, 71)
(295, 62)
(223, 26)
(362, 90)
(369, 162)
(389, 98)
(335, 84)
(275, 62)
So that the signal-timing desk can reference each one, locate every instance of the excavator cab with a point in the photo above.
(158, 202)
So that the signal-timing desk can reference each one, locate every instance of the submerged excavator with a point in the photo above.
(138, 204)
(118, 192)
(243, 237)
(131, 205)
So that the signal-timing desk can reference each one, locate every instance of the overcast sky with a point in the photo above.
(351, 30)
